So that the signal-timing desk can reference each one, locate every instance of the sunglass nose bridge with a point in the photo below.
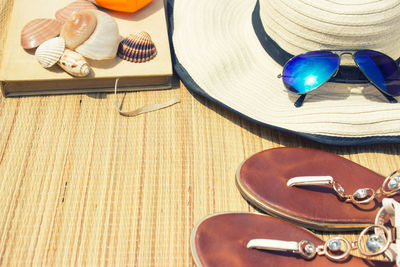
(345, 56)
(345, 53)
(341, 53)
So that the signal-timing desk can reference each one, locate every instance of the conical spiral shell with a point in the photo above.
(65, 13)
(137, 48)
(78, 28)
(50, 52)
(38, 31)
(103, 43)
(73, 63)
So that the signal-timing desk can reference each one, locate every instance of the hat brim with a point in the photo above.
(218, 55)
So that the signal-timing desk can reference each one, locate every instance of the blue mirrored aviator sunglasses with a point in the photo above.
(306, 72)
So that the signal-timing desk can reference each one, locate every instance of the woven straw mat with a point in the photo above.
(83, 186)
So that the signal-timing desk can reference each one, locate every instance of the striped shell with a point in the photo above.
(103, 43)
(38, 31)
(73, 63)
(137, 48)
(78, 28)
(50, 52)
(65, 13)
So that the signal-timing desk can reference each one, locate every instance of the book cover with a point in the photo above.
(21, 73)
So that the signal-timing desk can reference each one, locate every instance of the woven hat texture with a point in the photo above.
(299, 26)
(219, 55)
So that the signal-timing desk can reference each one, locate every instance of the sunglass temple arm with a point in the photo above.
(388, 97)
(300, 100)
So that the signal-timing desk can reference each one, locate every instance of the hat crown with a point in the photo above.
(298, 26)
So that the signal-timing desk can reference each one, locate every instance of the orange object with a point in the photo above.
(129, 6)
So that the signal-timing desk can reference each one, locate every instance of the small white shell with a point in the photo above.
(50, 52)
(74, 64)
(104, 41)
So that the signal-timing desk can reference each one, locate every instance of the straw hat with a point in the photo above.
(231, 51)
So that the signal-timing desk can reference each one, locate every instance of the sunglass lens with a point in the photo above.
(308, 71)
(380, 69)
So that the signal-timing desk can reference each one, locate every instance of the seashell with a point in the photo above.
(65, 13)
(50, 52)
(137, 48)
(74, 63)
(38, 31)
(78, 28)
(103, 43)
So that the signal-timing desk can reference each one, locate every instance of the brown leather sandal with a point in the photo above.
(250, 239)
(311, 188)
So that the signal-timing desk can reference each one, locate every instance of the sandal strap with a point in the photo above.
(309, 180)
(391, 208)
(272, 244)
(389, 187)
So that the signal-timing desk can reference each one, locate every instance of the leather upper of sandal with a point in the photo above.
(221, 239)
(262, 181)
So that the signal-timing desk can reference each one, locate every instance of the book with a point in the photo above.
(21, 73)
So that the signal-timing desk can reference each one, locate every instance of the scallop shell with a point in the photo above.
(103, 43)
(38, 31)
(137, 48)
(78, 28)
(65, 13)
(73, 63)
(50, 52)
